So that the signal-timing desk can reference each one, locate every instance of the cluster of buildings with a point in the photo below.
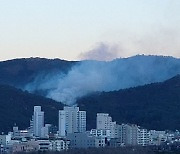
(72, 133)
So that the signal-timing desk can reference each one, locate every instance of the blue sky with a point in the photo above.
(71, 29)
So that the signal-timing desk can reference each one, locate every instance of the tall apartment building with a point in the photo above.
(143, 137)
(128, 134)
(103, 121)
(71, 120)
(131, 134)
(38, 121)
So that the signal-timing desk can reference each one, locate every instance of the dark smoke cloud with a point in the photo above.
(102, 52)
(91, 76)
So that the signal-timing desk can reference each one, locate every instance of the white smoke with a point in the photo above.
(102, 52)
(90, 76)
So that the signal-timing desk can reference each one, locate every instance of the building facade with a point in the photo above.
(143, 137)
(38, 121)
(71, 120)
(86, 140)
(103, 121)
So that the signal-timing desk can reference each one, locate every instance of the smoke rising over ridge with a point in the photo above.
(90, 76)
(102, 52)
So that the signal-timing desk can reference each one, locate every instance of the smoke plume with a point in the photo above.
(90, 76)
(102, 52)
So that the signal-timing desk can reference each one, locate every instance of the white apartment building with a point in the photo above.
(60, 144)
(130, 134)
(86, 140)
(5, 139)
(157, 137)
(143, 137)
(114, 130)
(127, 134)
(45, 131)
(100, 132)
(20, 133)
(81, 121)
(71, 120)
(38, 121)
(103, 121)
(44, 144)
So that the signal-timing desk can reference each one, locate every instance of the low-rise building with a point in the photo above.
(28, 146)
(44, 144)
(5, 141)
(86, 140)
(60, 144)
(157, 137)
(101, 132)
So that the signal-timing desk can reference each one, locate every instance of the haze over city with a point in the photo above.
(101, 30)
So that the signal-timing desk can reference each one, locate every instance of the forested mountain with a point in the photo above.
(66, 81)
(16, 106)
(19, 72)
(153, 106)
(96, 87)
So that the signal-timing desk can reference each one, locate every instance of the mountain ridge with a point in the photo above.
(19, 72)
(16, 106)
(90, 76)
(152, 106)
(153, 101)
(157, 102)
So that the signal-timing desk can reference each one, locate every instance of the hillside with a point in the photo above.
(16, 106)
(153, 106)
(19, 72)
(66, 81)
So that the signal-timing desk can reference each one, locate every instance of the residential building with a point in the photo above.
(45, 131)
(5, 139)
(101, 132)
(60, 144)
(44, 144)
(143, 137)
(86, 140)
(4, 142)
(128, 134)
(71, 120)
(157, 137)
(38, 121)
(29, 146)
(103, 121)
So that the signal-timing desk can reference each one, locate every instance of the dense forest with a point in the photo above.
(153, 106)
(16, 107)
(135, 70)
(18, 72)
